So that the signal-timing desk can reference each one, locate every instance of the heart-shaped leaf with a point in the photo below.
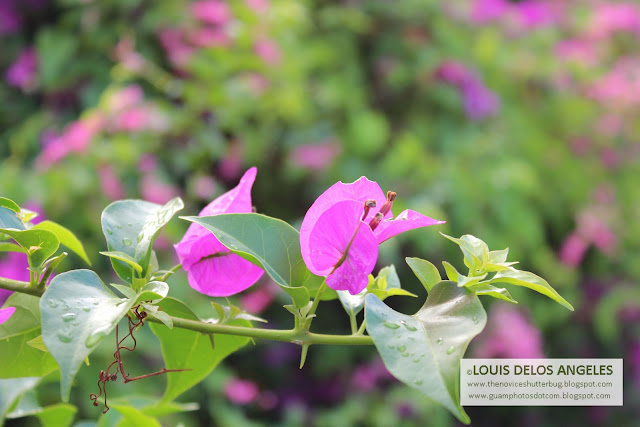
(37, 244)
(424, 350)
(9, 219)
(132, 226)
(426, 272)
(19, 358)
(66, 237)
(10, 204)
(78, 311)
(153, 291)
(267, 242)
(185, 349)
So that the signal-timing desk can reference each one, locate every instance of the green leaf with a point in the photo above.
(426, 272)
(384, 294)
(469, 280)
(11, 390)
(121, 256)
(531, 281)
(66, 237)
(124, 290)
(18, 358)
(185, 349)
(37, 244)
(38, 344)
(58, 415)
(10, 247)
(78, 311)
(153, 291)
(352, 304)
(475, 251)
(485, 289)
(424, 350)
(299, 295)
(452, 273)
(390, 275)
(132, 226)
(9, 204)
(498, 257)
(136, 418)
(267, 242)
(9, 219)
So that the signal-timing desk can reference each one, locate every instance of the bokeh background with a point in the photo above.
(515, 121)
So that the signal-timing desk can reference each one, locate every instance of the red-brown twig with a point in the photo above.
(104, 376)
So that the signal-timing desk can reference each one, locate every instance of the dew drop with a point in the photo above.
(390, 325)
(234, 247)
(129, 224)
(126, 241)
(109, 232)
(96, 302)
(419, 382)
(51, 303)
(439, 341)
(475, 319)
(122, 300)
(401, 348)
(451, 350)
(119, 226)
(64, 337)
(392, 347)
(65, 306)
(68, 317)
(86, 308)
(405, 355)
(416, 360)
(409, 327)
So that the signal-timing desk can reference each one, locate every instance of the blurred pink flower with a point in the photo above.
(174, 44)
(534, 13)
(204, 187)
(610, 17)
(257, 301)
(268, 50)
(147, 163)
(154, 190)
(13, 265)
(241, 392)
(128, 57)
(75, 139)
(620, 87)
(581, 51)
(211, 11)
(573, 250)
(10, 19)
(258, 6)
(231, 164)
(478, 100)
(483, 11)
(124, 99)
(207, 37)
(508, 334)
(110, 183)
(22, 73)
(580, 145)
(316, 157)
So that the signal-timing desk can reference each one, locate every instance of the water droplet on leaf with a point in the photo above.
(475, 319)
(86, 308)
(109, 232)
(390, 325)
(439, 341)
(68, 317)
(409, 327)
(234, 247)
(51, 303)
(405, 355)
(451, 350)
(392, 347)
(126, 241)
(419, 382)
(64, 337)
(401, 348)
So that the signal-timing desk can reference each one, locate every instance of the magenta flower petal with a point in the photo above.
(360, 191)
(6, 313)
(407, 220)
(344, 247)
(211, 268)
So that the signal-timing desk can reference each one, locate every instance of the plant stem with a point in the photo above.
(362, 327)
(314, 306)
(299, 337)
(19, 286)
(354, 324)
(170, 272)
